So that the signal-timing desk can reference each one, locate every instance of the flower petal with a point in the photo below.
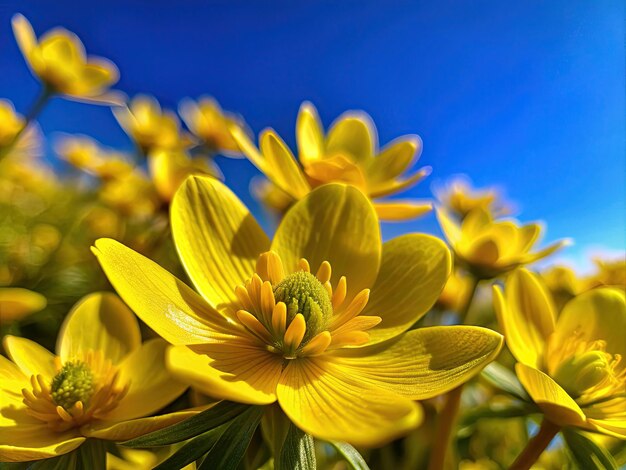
(334, 223)
(404, 209)
(16, 303)
(309, 134)
(30, 357)
(24, 35)
(412, 274)
(286, 172)
(450, 228)
(354, 135)
(151, 385)
(238, 370)
(557, 405)
(217, 238)
(161, 300)
(394, 159)
(326, 402)
(99, 322)
(425, 362)
(12, 381)
(611, 427)
(526, 314)
(27, 442)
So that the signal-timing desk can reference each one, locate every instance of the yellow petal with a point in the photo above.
(151, 385)
(450, 228)
(397, 185)
(24, 35)
(125, 430)
(309, 134)
(557, 405)
(611, 427)
(324, 401)
(394, 159)
(547, 251)
(425, 362)
(62, 47)
(16, 303)
(217, 238)
(285, 171)
(405, 209)
(412, 274)
(98, 74)
(527, 315)
(238, 370)
(30, 357)
(161, 300)
(334, 223)
(598, 314)
(12, 381)
(27, 442)
(354, 135)
(99, 322)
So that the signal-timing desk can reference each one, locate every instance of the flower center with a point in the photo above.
(582, 372)
(73, 383)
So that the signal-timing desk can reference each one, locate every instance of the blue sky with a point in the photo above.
(529, 96)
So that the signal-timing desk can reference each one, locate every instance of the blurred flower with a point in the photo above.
(11, 124)
(150, 127)
(572, 365)
(489, 248)
(609, 273)
(459, 198)
(60, 62)
(210, 124)
(273, 330)
(453, 298)
(132, 194)
(99, 386)
(563, 284)
(348, 153)
(17, 303)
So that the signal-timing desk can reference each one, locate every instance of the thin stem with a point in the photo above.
(468, 301)
(536, 446)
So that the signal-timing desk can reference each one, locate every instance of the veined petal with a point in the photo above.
(413, 272)
(404, 209)
(12, 381)
(151, 385)
(326, 402)
(334, 223)
(161, 300)
(354, 135)
(125, 430)
(30, 357)
(425, 362)
(557, 405)
(309, 134)
(611, 427)
(99, 322)
(394, 159)
(238, 370)
(27, 442)
(217, 238)
(286, 172)
(527, 315)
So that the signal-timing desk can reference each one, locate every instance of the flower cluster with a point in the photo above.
(319, 344)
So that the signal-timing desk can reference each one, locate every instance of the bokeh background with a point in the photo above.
(529, 96)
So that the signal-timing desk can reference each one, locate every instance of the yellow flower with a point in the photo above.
(563, 284)
(489, 248)
(100, 384)
(149, 126)
(459, 198)
(60, 62)
(315, 319)
(572, 366)
(28, 144)
(132, 194)
(17, 303)
(454, 295)
(609, 273)
(207, 121)
(348, 154)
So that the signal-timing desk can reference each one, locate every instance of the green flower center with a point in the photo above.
(73, 383)
(582, 372)
(303, 293)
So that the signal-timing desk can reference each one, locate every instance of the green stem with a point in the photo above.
(536, 446)
(468, 301)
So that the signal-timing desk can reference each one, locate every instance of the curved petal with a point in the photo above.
(286, 172)
(450, 228)
(12, 381)
(334, 223)
(354, 134)
(30, 357)
(395, 186)
(309, 134)
(217, 238)
(425, 362)
(413, 272)
(557, 405)
(394, 159)
(405, 209)
(326, 402)
(16, 303)
(161, 300)
(125, 430)
(99, 322)
(527, 315)
(547, 251)
(598, 314)
(610, 427)
(151, 385)
(23, 443)
(237, 370)
(24, 35)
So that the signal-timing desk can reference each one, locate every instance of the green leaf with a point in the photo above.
(351, 455)
(497, 411)
(503, 379)
(193, 450)
(63, 462)
(91, 455)
(298, 451)
(231, 446)
(209, 419)
(587, 453)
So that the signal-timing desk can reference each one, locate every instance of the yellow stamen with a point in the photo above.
(295, 333)
(324, 272)
(317, 345)
(304, 265)
(254, 325)
(267, 302)
(340, 292)
(354, 308)
(279, 319)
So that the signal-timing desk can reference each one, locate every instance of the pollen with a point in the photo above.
(73, 383)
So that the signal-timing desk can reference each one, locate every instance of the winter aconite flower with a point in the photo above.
(572, 366)
(315, 319)
(459, 198)
(348, 153)
(23, 143)
(99, 385)
(58, 59)
(487, 247)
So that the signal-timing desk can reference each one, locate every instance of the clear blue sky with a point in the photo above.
(526, 95)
